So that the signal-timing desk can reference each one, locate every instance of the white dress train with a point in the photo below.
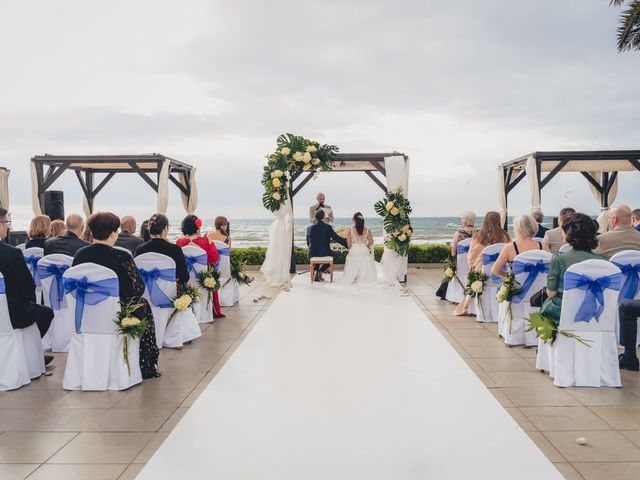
(360, 266)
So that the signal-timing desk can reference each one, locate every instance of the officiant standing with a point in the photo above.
(328, 212)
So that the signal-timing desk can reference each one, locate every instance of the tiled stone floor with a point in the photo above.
(48, 433)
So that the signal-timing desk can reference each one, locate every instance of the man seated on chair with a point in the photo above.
(629, 313)
(70, 242)
(621, 236)
(319, 236)
(127, 237)
(20, 287)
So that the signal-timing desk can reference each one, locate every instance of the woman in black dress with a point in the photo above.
(104, 229)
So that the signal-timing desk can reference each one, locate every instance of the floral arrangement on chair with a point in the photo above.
(293, 156)
(476, 281)
(547, 331)
(237, 269)
(187, 297)
(130, 326)
(509, 289)
(394, 210)
(209, 279)
(449, 267)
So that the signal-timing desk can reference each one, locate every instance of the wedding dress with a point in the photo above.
(360, 266)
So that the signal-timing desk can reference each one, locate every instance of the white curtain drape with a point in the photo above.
(85, 206)
(397, 173)
(35, 198)
(163, 187)
(603, 218)
(278, 257)
(502, 196)
(4, 189)
(190, 203)
(531, 170)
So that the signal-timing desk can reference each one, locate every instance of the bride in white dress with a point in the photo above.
(360, 266)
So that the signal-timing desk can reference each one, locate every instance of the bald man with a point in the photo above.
(328, 211)
(621, 236)
(70, 242)
(127, 237)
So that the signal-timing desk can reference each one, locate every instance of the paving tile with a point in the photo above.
(545, 447)
(604, 397)
(633, 435)
(131, 472)
(31, 447)
(10, 418)
(16, 471)
(78, 399)
(30, 399)
(609, 471)
(539, 396)
(505, 365)
(567, 471)
(144, 398)
(103, 447)
(564, 418)
(171, 423)
(60, 420)
(602, 446)
(521, 420)
(130, 420)
(491, 352)
(520, 379)
(620, 418)
(501, 397)
(147, 452)
(78, 472)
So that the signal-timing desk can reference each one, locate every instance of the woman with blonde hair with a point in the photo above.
(490, 232)
(39, 231)
(525, 228)
(58, 228)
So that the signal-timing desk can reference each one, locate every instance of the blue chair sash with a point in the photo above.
(193, 260)
(224, 251)
(32, 263)
(489, 258)
(631, 274)
(56, 292)
(150, 277)
(90, 293)
(3, 287)
(593, 303)
(533, 269)
(462, 249)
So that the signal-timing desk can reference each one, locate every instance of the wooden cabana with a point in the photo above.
(155, 169)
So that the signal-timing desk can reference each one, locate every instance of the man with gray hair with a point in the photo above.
(621, 235)
(553, 239)
(70, 242)
(127, 238)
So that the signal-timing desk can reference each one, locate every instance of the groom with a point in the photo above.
(319, 236)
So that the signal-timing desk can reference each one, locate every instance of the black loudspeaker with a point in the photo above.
(16, 238)
(53, 203)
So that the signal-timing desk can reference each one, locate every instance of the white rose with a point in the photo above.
(312, 148)
(449, 272)
(129, 322)
(210, 282)
(285, 151)
(276, 174)
(402, 237)
(306, 167)
(276, 183)
(477, 286)
(389, 206)
(306, 157)
(501, 296)
(394, 211)
(287, 174)
(276, 195)
(298, 156)
(316, 161)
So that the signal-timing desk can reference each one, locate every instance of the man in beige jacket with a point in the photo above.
(621, 236)
(554, 238)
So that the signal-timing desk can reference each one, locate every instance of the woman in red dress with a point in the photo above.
(191, 226)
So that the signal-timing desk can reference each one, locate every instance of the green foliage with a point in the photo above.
(547, 331)
(394, 210)
(629, 26)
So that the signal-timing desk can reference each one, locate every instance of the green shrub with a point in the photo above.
(417, 254)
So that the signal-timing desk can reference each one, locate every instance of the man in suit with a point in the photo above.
(69, 243)
(635, 219)
(539, 217)
(328, 211)
(319, 238)
(20, 287)
(629, 312)
(554, 238)
(621, 236)
(127, 237)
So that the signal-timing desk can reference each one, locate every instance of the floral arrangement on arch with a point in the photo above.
(394, 210)
(293, 156)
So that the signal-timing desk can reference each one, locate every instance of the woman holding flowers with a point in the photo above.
(490, 232)
(191, 227)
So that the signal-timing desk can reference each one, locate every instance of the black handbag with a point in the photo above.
(538, 298)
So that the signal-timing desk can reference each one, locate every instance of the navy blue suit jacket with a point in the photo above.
(319, 238)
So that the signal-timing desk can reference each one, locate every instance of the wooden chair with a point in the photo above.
(313, 261)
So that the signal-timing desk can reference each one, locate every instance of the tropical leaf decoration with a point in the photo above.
(395, 209)
(629, 27)
(547, 331)
(294, 155)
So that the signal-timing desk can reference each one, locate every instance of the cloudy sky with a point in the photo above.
(458, 86)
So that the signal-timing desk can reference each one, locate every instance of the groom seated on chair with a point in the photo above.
(319, 236)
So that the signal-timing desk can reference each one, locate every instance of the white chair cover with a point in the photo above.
(489, 310)
(197, 262)
(21, 356)
(596, 365)
(122, 249)
(538, 239)
(230, 293)
(96, 353)
(50, 270)
(31, 257)
(455, 289)
(182, 328)
(531, 283)
(20, 247)
(628, 261)
(565, 248)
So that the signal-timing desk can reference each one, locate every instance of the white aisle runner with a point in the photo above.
(334, 383)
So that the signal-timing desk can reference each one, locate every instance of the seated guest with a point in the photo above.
(58, 229)
(86, 236)
(554, 238)
(69, 243)
(104, 229)
(158, 229)
(144, 231)
(20, 287)
(524, 228)
(319, 236)
(539, 217)
(580, 231)
(39, 231)
(635, 219)
(629, 312)
(468, 221)
(490, 232)
(127, 238)
(221, 234)
(191, 227)
(621, 236)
